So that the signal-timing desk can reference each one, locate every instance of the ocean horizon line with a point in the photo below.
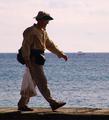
(52, 53)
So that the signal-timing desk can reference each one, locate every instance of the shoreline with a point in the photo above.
(11, 113)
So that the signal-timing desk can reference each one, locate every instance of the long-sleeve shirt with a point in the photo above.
(34, 38)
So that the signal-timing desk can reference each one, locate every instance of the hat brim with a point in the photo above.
(44, 18)
(47, 18)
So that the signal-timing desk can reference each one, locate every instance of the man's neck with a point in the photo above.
(39, 27)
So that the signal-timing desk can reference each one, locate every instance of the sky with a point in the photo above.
(78, 25)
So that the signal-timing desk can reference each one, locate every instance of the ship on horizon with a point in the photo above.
(80, 53)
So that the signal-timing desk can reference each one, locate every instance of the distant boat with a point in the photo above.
(80, 53)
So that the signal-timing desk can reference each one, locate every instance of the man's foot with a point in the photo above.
(57, 105)
(25, 108)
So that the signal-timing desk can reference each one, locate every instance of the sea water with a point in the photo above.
(82, 81)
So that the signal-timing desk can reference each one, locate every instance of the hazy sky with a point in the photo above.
(78, 25)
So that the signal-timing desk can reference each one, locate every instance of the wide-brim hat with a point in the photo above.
(43, 15)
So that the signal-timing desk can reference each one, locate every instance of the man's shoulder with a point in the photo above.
(28, 29)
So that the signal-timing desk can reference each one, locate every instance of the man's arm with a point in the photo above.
(26, 46)
(54, 49)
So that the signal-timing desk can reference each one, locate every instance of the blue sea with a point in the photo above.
(82, 81)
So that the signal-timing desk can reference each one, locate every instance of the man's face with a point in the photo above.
(44, 23)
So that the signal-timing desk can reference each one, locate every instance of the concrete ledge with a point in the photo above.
(60, 114)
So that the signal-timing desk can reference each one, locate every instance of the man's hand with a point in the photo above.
(65, 57)
(28, 63)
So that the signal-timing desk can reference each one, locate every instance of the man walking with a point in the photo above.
(35, 41)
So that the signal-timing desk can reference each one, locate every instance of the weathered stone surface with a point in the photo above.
(60, 114)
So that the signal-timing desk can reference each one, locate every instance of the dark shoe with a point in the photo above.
(57, 105)
(25, 108)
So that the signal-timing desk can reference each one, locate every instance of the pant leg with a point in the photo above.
(27, 89)
(23, 101)
(37, 73)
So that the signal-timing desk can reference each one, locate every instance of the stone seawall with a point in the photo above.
(60, 114)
